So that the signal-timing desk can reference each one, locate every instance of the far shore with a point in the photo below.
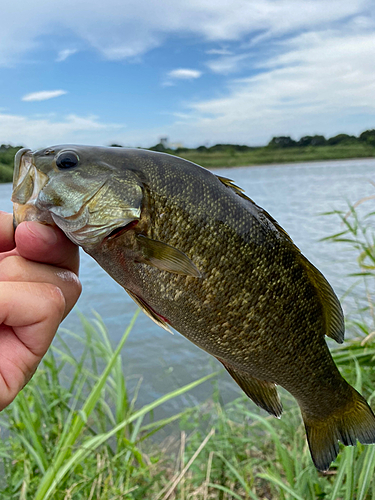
(269, 156)
(227, 156)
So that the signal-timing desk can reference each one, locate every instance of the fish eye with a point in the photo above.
(67, 159)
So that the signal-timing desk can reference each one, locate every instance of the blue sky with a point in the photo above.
(198, 71)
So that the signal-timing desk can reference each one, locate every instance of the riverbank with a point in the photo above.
(268, 155)
(231, 156)
(89, 439)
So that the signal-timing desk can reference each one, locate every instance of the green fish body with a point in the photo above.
(199, 256)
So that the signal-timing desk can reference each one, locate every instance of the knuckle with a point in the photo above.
(12, 268)
(56, 299)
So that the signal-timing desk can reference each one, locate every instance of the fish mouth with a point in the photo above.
(28, 181)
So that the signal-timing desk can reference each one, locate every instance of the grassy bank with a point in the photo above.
(90, 440)
(76, 432)
(7, 154)
(268, 155)
(232, 156)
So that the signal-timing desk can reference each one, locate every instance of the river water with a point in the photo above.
(295, 195)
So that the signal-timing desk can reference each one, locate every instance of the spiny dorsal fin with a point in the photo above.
(334, 317)
(166, 258)
(262, 213)
(230, 184)
(263, 393)
(149, 311)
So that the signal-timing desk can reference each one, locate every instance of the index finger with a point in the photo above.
(47, 244)
(7, 242)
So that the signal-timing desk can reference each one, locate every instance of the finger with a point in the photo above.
(17, 269)
(6, 232)
(30, 315)
(46, 244)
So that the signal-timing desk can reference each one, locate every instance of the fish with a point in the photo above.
(199, 256)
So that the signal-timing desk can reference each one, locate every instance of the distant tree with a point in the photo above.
(305, 141)
(242, 147)
(220, 147)
(115, 146)
(158, 147)
(7, 154)
(338, 139)
(312, 140)
(368, 136)
(282, 142)
(202, 149)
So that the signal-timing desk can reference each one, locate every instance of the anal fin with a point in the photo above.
(263, 393)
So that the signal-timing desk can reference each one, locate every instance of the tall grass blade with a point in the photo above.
(240, 479)
(225, 489)
(367, 473)
(278, 482)
(91, 444)
(79, 422)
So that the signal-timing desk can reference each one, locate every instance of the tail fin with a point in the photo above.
(353, 422)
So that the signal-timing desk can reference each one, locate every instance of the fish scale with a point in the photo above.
(197, 255)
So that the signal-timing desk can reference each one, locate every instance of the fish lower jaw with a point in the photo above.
(29, 212)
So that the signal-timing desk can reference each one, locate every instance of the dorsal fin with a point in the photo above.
(334, 317)
(230, 184)
(262, 213)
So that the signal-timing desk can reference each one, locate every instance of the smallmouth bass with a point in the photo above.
(196, 254)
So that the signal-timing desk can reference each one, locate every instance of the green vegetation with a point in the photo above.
(281, 149)
(76, 432)
(6, 162)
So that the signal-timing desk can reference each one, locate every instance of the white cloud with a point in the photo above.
(43, 131)
(121, 30)
(219, 52)
(64, 54)
(184, 74)
(43, 95)
(315, 69)
(321, 82)
(227, 64)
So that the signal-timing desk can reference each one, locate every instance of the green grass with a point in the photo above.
(230, 157)
(268, 155)
(6, 173)
(88, 439)
(84, 439)
(76, 432)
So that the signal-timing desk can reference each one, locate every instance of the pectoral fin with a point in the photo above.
(263, 393)
(166, 258)
(159, 320)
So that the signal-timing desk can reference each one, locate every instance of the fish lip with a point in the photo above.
(28, 182)
(17, 165)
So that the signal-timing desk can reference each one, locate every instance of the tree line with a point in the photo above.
(366, 137)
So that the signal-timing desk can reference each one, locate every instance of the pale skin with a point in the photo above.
(39, 285)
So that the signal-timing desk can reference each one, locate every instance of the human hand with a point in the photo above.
(38, 287)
